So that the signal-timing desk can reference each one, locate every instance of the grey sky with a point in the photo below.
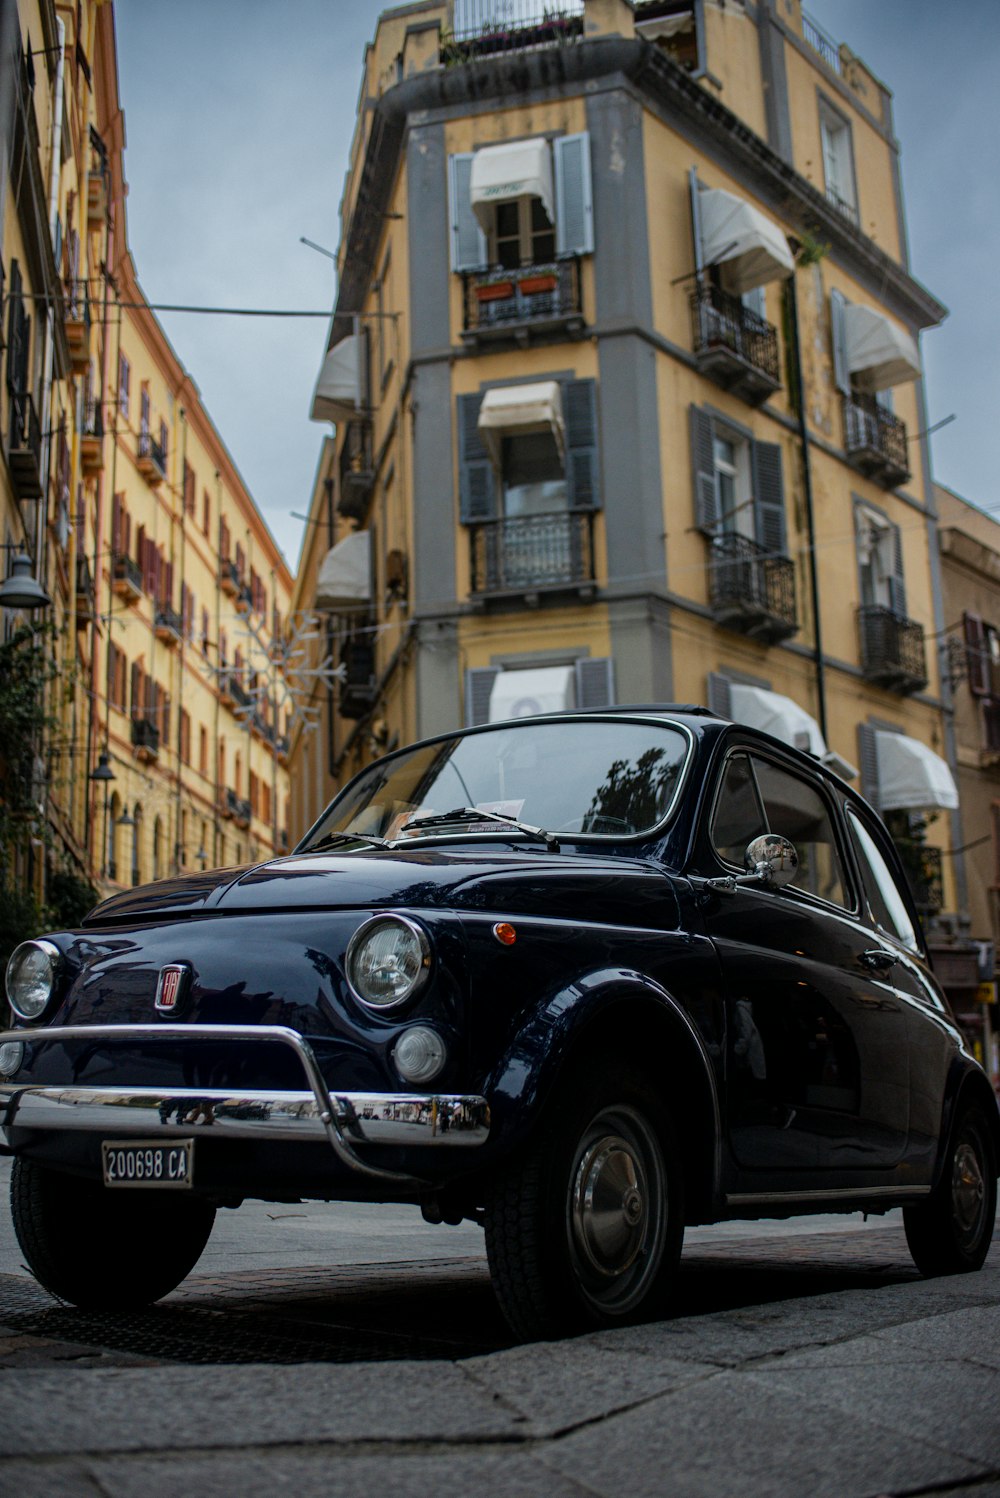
(239, 116)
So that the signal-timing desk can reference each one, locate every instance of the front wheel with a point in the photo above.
(950, 1233)
(585, 1230)
(104, 1249)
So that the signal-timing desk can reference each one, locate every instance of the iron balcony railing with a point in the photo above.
(167, 622)
(231, 687)
(875, 439)
(126, 571)
(532, 551)
(732, 343)
(358, 686)
(238, 809)
(494, 299)
(357, 470)
(484, 28)
(153, 452)
(892, 649)
(751, 589)
(843, 206)
(821, 42)
(145, 735)
(24, 445)
(924, 874)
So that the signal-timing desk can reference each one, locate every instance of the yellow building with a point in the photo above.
(627, 395)
(165, 747)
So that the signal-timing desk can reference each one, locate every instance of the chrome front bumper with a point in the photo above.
(346, 1120)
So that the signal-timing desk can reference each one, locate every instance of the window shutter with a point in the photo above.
(719, 699)
(137, 702)
(769, 498)
(706, 493)
(574, 201)
(838, 335)
(897, 585)
(868, 760)
(477, 483)
(468, 242)
(478, 686)
(595, 682)
(580, 408)
(699, 259)
(975, 655)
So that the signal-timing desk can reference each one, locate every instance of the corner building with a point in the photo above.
(626, 386)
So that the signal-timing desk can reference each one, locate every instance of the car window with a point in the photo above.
(758, 796)
(885, 900)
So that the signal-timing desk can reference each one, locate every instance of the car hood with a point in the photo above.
(532, 882)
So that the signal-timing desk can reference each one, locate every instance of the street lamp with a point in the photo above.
(202, 858)
(103, 772)
(21, 590)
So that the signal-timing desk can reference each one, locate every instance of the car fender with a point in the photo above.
(543, 1050)
(967, 1085)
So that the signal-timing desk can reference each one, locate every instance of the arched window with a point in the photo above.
(111, 835)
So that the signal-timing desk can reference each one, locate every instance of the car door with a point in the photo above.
(816, 1049)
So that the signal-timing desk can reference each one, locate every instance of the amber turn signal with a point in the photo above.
(505, 933)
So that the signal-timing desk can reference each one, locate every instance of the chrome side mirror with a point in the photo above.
(772, 859)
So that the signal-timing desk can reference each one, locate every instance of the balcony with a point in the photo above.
(892, 650)
(875, 440)
(229, 577)
(232, 691)
(751, 590)
(24, 446)
(533, 553)
(238, 809)
(357, 688)
(923, 868)
(151, 460)
(98, 176)
(145, 739)
(92, 439)
(77, 324)
(84, 598)
(733, 346)
(168, 624)
(126, 577)
(522, 306)
(357, 471)
(526, 26)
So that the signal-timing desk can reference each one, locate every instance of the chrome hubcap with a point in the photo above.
(609, 1206)
(968, 1188)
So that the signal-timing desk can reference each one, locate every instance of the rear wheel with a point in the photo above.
(951, 1232)
(103, 1249)
(585, 1230)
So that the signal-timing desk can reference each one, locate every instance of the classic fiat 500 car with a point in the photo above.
(584, 979)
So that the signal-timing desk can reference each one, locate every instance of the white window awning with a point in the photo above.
(912, 777)
(513, 410)
(736, 236)
(543, 689)
(662, 28)
(879, 354)
(339, 392)
(515, 169)
(345, 579)
(777, 715)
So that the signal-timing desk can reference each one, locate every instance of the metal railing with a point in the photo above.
(496, 298)
(924, 874)
(238, 809)
(145, 735)
(25, 431)
(820, 41)
(167, 621)
(532, 551)
(93, 420)
(751, 589)
(893, 654)
(843, 206)
(722, 321)
(486, 27)
(124, 569)
(153, 452)
(874, 438)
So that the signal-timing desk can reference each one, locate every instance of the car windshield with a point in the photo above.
(591, 778)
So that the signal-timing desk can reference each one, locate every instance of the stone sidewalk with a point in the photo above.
(807, 1365)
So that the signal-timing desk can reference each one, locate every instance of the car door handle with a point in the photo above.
(879, 960)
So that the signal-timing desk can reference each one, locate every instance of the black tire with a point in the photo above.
(950, 1233)
(104, 1249)
(558, 1265)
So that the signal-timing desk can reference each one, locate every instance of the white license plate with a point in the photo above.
(148, 1163)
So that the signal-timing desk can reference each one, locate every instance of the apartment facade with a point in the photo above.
(163, 748)
(626, 391)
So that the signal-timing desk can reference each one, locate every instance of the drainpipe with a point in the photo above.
(793, 326)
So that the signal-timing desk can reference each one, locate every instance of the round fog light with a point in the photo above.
(420, 1054)
(11, 1056)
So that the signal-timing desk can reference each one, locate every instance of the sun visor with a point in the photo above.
(513, 410)
(912, 777)
(879, 354)
(519, 694)
(344, 581)
(515, 169)
(737, 237)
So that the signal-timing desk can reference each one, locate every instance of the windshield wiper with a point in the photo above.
(472, 814)
(332, 838)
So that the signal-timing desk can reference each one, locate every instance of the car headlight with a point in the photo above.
(388, 961)
(31, 977)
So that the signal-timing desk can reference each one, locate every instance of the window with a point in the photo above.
(982, 657)
(511, 226)
(738, 484)
(732, 484)
(124, 381)
(885, 901)
(206, 505)
(185, 736)
(524, 473)
(144, 412)
(163, 441)
(493, 692)
(838, 160)
(880, 560)
(189, 488)
(202, 750)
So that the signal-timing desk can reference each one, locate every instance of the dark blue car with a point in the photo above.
(584, 979)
